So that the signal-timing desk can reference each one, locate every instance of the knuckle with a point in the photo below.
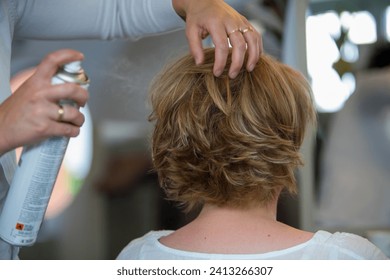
(84, 95)
(223, 47)
(70, 87)
(188, 33)
(244, 19)
(74, 132)
(34, 99)
(241, 46)
(36, 112)
(50, 58)
(76, 118)
(82, 119)
(67, 130)
(42, 129)
(76, 92)
(36, 90)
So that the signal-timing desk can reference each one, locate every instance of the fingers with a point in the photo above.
(66, 99)
(47, 69)
(48, 120)
(66, 120)
(49, 65)
(255, 47)
(32, 112)
(218, 19)
(244, 40)
(238, 52)
(65, 129)
(70, 92)
(60, 102)
(67, 114)
(194, 38)
(218, 36)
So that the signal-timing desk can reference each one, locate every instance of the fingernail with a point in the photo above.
(198, 60)
(218, 73)
(232, 75)
(251, 67)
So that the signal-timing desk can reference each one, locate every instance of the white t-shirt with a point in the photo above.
(322, 246)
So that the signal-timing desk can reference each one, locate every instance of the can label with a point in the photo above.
(33, 182)
(37, 174)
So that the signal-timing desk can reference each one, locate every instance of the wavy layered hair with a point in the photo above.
(228, 142)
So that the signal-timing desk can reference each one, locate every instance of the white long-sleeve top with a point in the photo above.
(72, 19)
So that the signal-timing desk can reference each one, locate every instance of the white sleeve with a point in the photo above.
(8, 252)
(94, 19)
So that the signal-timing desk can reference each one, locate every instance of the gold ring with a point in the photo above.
(234, 30)
(246, 29)
(60, 113)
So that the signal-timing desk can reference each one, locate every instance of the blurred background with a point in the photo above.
(106, 195)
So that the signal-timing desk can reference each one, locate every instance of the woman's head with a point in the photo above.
(228, 142)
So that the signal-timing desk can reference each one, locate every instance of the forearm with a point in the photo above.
(95, 19)
(181, 5)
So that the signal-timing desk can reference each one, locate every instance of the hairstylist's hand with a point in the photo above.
(220, 21)
(32, 113)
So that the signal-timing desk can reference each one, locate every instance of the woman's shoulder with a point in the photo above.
(146, 243)
(344, 245)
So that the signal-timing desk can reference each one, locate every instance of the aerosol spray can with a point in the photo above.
(36, 173)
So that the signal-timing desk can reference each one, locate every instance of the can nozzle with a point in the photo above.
(73, 67)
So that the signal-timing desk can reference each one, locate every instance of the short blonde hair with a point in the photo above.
(228, 142)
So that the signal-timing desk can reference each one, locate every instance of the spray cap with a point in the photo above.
(71, 73)
(73, 67)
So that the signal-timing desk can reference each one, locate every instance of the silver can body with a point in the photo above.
(35, 176)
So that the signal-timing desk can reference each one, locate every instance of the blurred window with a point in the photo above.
(333, 41)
